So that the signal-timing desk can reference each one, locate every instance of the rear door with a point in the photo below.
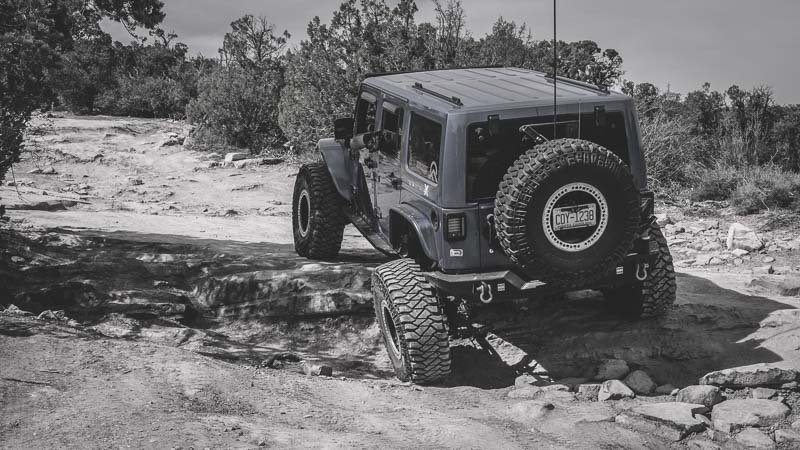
(389, 181)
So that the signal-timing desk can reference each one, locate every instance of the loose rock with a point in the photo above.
(612, 369)
(787, 437)
(736, 414)
(753, 438)
(751, 376)
(614, 390)
(763, 393)
(741, 237)
(640, 382)
(588, 391)
(317, 370)
(670, 420)
(704, 395)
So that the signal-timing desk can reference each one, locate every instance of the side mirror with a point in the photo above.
(343, 128)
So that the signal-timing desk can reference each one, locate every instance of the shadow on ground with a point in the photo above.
(709, 328)
(246, 302)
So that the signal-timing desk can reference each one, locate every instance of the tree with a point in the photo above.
(238, 101)
(34, 32)
(253, 44)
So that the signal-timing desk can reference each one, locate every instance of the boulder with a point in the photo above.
(671, 420)
(733, 415)
(751, 376)
(790, 438)
(738, 252)
(612, 369)
(640, 382)
(703, 395)
(741, 237)
(614, 390)
(753, 438)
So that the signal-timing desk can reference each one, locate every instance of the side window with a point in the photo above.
(365, 113)
(392, 121)
(424, 145)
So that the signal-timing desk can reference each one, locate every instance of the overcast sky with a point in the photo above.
(680, 43)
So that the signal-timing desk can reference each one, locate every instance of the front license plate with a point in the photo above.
(570, 217)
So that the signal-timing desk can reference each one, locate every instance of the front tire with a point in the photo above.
(317, 219)
(412, 322)
(653, 297)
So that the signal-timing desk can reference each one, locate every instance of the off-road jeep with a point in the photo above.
(483, 194)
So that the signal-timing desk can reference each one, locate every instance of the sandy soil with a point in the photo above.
(142, 364)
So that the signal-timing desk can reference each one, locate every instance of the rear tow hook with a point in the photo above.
(485, 290)
(641, 271)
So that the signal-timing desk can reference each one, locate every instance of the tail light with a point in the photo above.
(455, 227)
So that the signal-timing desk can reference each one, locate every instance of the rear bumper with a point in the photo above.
(493, 287)
(496, 286)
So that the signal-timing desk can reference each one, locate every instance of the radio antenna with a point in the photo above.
(555, 71)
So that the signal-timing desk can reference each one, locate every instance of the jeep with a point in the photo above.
(484, 190)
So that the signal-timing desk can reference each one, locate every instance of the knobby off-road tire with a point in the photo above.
(556, 176)
(653, 297)
(412, 322)
(317, 218)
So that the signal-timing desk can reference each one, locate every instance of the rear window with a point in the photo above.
(490, 155)
(424, 146)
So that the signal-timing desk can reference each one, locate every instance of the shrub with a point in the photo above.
(240, 106)
(752, 189)
(716, 184)
(145, 97)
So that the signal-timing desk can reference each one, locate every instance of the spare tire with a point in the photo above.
(567, 211)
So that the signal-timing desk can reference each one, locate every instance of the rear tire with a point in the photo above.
(317, 218)
(412, 322)
(653, 297)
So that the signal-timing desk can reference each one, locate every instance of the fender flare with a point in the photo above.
(419, 222)
(337, 158)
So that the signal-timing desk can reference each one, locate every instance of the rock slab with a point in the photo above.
(670, 420)
(737, 414)
(751, 376)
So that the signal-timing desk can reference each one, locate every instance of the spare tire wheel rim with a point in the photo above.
(303, 213)
(575, 217)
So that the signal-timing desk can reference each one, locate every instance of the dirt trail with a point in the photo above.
(178, 281)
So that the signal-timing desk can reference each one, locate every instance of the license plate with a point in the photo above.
(570, 217)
